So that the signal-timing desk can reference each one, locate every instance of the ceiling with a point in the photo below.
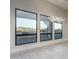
(60, 3)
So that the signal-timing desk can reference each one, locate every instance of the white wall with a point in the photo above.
(38, 6)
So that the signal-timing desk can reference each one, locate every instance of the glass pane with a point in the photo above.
(45, 28)
(57, 30)
(25, 27)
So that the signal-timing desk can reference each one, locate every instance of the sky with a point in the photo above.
(30, 23)
(58, 26)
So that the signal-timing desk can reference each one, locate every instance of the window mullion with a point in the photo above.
(38, 29)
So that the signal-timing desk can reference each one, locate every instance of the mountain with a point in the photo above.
(23, 29)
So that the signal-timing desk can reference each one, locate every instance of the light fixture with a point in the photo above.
(58, 19)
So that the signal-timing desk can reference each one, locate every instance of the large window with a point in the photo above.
(57, 30)
(45, 28)
(25, 27)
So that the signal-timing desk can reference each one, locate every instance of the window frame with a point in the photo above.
(38, 19)
(54, 30)
(29, 34)
(46, 33)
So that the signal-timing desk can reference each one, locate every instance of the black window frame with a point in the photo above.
(46, 33)
(24, 34)
(58, 33)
